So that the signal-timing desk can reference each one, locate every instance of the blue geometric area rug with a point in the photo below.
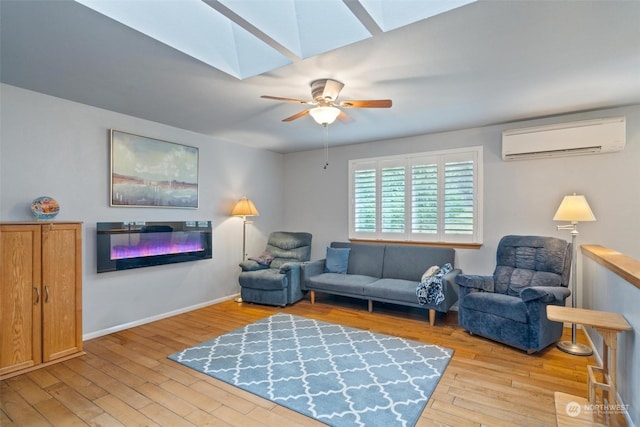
(338, 375)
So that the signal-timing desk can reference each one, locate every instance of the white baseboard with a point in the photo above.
(139, 322)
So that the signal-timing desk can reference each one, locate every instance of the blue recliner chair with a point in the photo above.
(275, 278)
(511, 306)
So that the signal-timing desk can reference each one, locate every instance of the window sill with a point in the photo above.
(431, 244)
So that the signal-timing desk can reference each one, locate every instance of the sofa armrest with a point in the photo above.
(294, 267)
(472, 281)
(546, 294)
(292, 271)
(251, 265)
(450, 277)
(311, 268)
(450, 289)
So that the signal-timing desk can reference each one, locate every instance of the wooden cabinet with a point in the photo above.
(40, 294)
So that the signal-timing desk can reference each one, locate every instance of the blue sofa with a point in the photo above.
(385, 273)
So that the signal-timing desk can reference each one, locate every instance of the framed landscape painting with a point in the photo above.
(152, 173)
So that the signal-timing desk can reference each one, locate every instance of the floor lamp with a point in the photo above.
(574, 209)
(244, 208)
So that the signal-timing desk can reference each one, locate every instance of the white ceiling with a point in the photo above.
(484, 63)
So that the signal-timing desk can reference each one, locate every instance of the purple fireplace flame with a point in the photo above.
(153, 244)
(127, 245)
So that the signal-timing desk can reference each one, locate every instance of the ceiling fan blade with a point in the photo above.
(371, 103)
(296, 116)
(277, 98)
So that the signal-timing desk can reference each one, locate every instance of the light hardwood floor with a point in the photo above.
(126, 379)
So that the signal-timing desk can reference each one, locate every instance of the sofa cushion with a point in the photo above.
(500, 305)
(409, 262)
(519, 259)
(337, 260)
(288, 247)
(340, 283)
(393, 289)
(521, 279)
(364, 259)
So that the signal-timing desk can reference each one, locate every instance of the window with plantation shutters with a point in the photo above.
(424, 197)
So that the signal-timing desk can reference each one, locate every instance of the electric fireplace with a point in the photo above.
(135, 244)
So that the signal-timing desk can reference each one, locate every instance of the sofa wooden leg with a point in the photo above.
(432, 317)
(312, 296)
(370, 306)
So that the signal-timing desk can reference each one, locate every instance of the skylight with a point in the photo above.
(306, 28)
(389, 14)
(244, 38)
(194, 28)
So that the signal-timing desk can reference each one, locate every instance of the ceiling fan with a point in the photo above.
(324, 93)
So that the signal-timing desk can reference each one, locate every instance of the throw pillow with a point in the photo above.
(337, 260)
(430, 272)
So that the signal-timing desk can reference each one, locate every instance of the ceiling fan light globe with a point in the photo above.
(324, 115)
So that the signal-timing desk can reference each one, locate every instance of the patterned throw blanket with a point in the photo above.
(430, 290)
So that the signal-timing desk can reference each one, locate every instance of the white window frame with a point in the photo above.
(407, 161)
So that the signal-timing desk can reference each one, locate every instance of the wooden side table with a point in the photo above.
(608, 325)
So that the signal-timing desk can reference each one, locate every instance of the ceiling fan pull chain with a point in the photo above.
(326, 146)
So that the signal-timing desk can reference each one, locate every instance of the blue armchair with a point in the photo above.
(276, 279)
(511, 306)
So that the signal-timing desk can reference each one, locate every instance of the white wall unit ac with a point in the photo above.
(565, 139)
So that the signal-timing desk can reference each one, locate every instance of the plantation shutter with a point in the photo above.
(364, 200)
(424, 196)
(392, 197)
(458, 197)
(460, 216)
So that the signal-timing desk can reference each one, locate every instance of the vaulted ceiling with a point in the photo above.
(481, 63)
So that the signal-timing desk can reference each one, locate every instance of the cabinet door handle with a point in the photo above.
(37, 301)
(46, 292)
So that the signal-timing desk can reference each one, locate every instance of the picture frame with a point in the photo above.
(149, 172)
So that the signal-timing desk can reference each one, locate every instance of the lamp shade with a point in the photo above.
(574, 208)
(324, 115)
(245, 207)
